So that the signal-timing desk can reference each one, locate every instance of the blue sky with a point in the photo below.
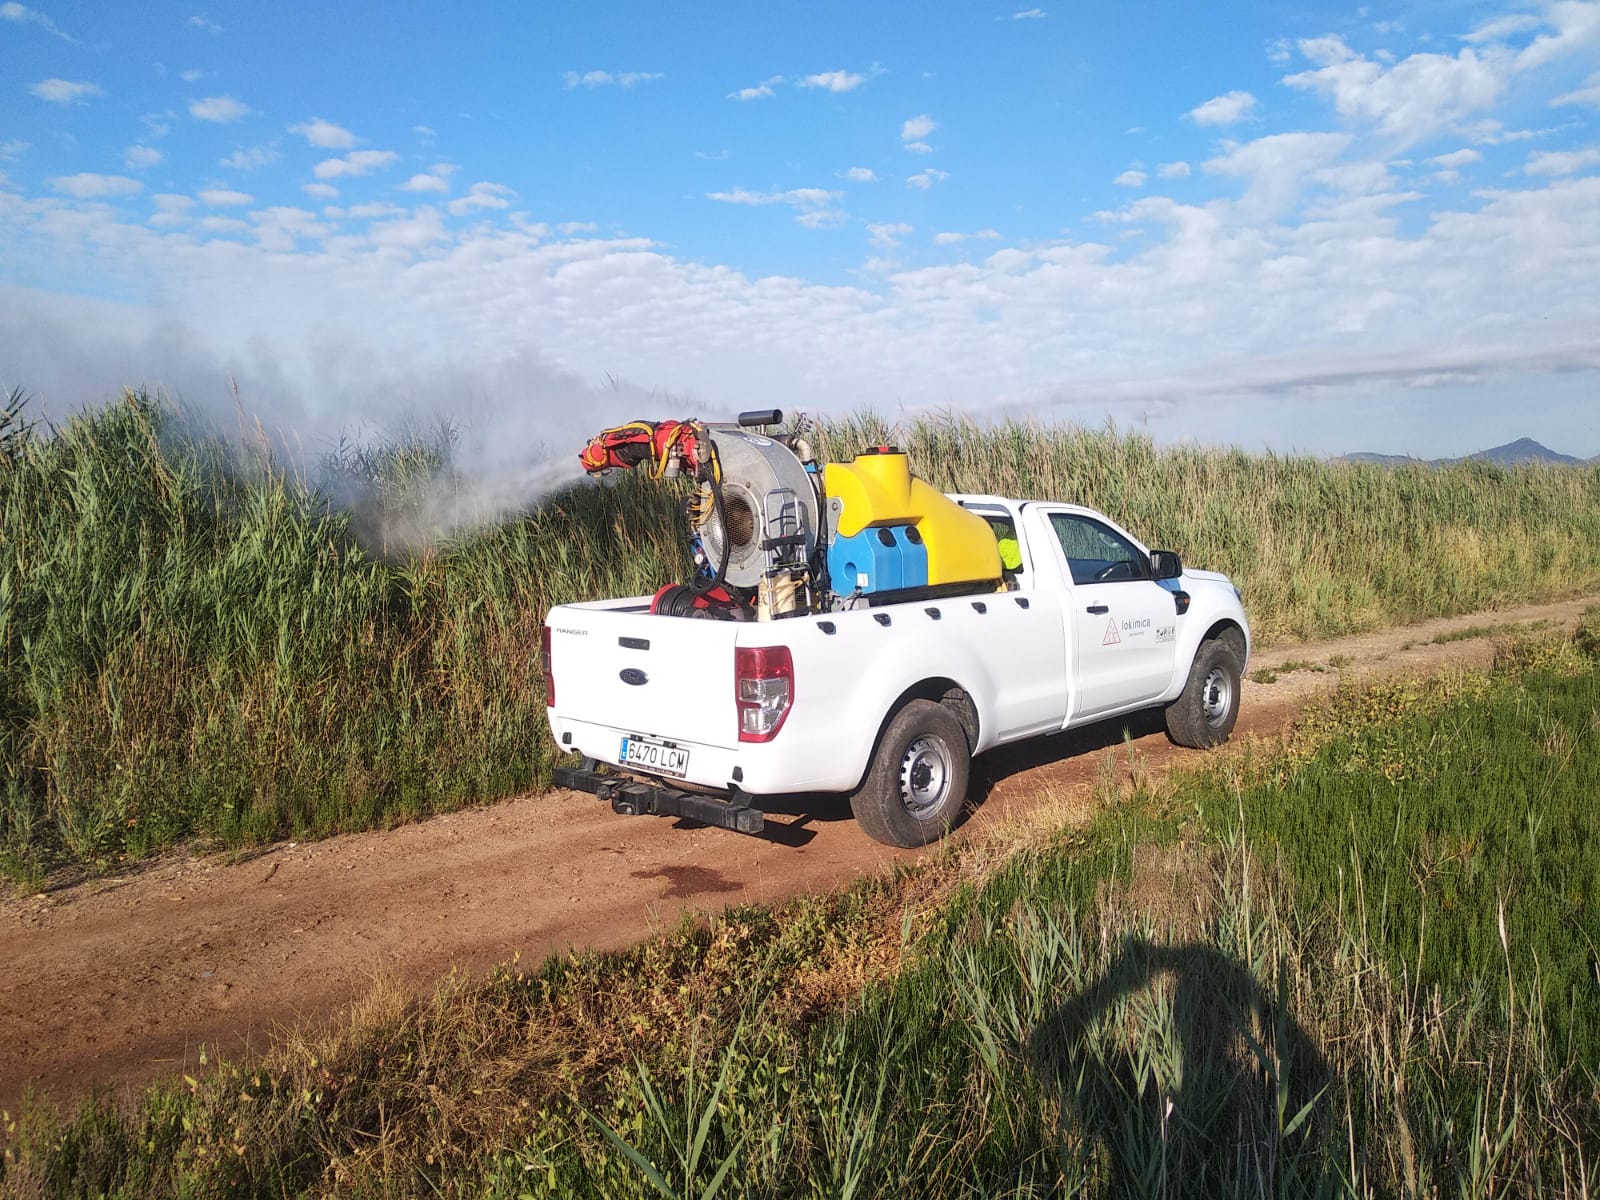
(1294, 226)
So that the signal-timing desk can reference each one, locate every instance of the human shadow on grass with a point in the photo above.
(1178, 1076)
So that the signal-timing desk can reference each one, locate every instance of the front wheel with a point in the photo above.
(917, 782)
(1203, 715)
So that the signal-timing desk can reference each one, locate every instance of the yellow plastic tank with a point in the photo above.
(877, 488)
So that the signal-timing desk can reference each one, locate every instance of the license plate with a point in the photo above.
(650, 755)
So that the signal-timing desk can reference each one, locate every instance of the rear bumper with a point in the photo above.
(632, 798)
(798, 760)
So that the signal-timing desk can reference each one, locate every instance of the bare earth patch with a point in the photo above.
(114, 981)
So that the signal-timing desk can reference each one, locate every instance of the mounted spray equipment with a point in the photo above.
(774, 535)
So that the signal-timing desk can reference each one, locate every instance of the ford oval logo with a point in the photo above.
(635, 677)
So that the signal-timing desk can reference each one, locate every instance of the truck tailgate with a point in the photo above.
(615, 664)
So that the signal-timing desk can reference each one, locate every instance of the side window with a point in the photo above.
(1095, 553)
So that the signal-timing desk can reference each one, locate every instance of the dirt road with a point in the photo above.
(117, 980)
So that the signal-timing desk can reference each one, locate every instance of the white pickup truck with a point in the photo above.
(889, 704)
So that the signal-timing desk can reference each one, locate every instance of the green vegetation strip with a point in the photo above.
(1282, 975)
(198, 639)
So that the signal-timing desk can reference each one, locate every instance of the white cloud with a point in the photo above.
(595, 79)
(1489, 132)
(192, 75)
(325, 135)
(225, 198)
(923, 180)
(1450, 164)
(319, 191)
(1029, 14)
(761, 91)
(21, 14)
(919, 147)
(1223, 110)
(423, 131)
(954, 239)
(814, 204)
(823, 218)
(1417, 96)
(202, 22)
(1214, 314)
(887, 236)
(368, 212)
(1326, 51)
(482, 195)
(280, 229)
(220, 109)
(1131, 178)
(569, 228)
(832, 81)
(170, 210)
(88, 186)
(1499, 28)
(14, 149)
(1562, 162)
(139, 158)
(436, 180)
(1278, 167)
(860, 175)
(222, 225)
(252, 159)
(1577, 26)
(1589, 94)
(357, 162)
(1174, 170)
(917, 128)
(65, 91)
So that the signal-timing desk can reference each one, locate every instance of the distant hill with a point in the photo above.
(1512, 454)
(1526, 450)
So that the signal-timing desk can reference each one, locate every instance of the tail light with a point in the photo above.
(544, 666)
(763, 690)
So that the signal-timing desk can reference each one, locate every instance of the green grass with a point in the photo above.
(1462, 835)
(196, 639)
(1198, 995)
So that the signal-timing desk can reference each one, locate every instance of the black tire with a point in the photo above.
(917, 783)
(1204, 714)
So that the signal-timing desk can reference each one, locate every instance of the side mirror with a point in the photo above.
(1164, 564)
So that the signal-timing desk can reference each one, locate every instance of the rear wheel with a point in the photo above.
(1204, 714)
(917, 782)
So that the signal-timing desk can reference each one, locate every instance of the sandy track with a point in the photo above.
(117, 980)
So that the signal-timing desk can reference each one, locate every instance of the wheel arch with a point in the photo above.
(943, 691)
(1229, 631)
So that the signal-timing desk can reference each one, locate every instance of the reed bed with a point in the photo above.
(198, 639)
(1319, 548)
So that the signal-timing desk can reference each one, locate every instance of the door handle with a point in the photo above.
(1097, 609)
